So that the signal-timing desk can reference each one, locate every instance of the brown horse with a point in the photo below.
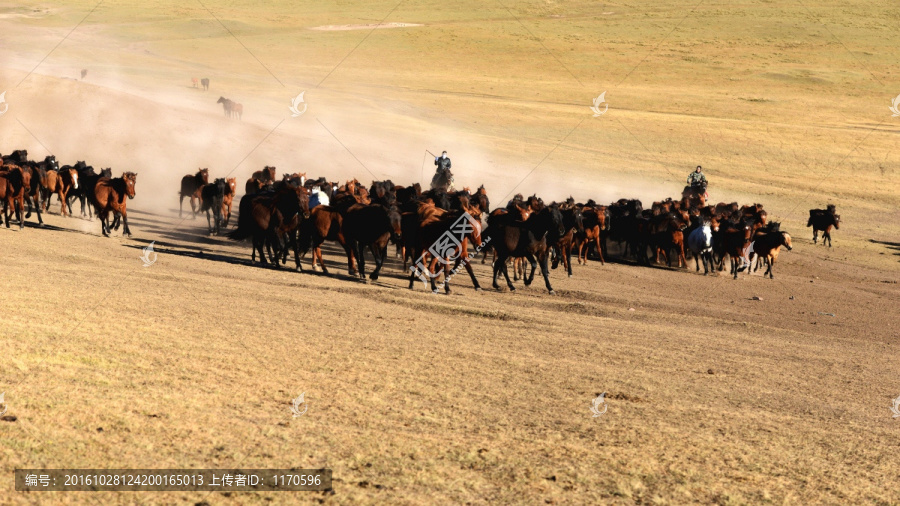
(190, 187)
(59, 182)
(109, 195)
(259, 179)
(230, 191)
(767, 245)
(596, 222)
(326, 224)
(14, 184)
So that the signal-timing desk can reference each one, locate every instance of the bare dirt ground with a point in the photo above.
(476, 397)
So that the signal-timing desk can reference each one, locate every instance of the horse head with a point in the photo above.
(786, 240)
(73, 174)
(203, 174)
(232, 185)
(130, 179)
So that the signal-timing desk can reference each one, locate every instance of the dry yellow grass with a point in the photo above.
(474, 397)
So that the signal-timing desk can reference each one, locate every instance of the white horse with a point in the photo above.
(700, 242)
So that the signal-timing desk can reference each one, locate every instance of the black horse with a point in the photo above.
(531, 239)
(211, 197)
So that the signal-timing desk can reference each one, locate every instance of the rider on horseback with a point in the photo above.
(697, 181)
(442, 172)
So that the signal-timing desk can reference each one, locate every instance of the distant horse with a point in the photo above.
(205, 83)
(822, 220)
(227, 106)
(14, 184)
(87, 181)
(194, 82)
(212, 197)
(573, 224)
(83, 73)
(109, 195)
(190, 187)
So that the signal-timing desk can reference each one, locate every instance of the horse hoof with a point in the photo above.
(552, 292)
(477, 288)
(570, 275)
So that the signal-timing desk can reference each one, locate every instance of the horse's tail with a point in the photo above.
(245, 221)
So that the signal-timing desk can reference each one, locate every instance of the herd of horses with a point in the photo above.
(298, 214)
(26, 181)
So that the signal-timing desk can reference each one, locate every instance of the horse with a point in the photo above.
(191, 186)
(205, 83)
(109, 195)
(700, 242)
(33, 192)
(369, 225)
(83, 74)
(66, 181)
(259, 179)
(573, 224)
(325, 224)
(87, 182)
(767, 245)
(212, 197)
(442, 179)
(230, 191)
(194, 82)
(596, 221)
(14, 184)
(736, 239)
(228, 106)
(447, 233)
(694, 196)
(530, 239)
(822, 220)
(267, 217)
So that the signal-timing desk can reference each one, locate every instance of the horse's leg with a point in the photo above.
(567, 258)
(505, 271)
(379, 254)
(599, 250)
(125, 229)
(180, 204)
(826, 236)
(360, 249)
(20, 211)
(531, 260)
(542, 258)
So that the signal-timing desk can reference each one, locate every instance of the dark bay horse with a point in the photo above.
(15, 183)
(190, 187)
(109, 196)
(531, 239)
(212, 198)
(823, 220)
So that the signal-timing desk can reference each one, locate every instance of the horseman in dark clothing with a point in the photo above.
(443, 178)
(696, 184)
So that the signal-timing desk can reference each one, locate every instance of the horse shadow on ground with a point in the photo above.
(895, 246)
